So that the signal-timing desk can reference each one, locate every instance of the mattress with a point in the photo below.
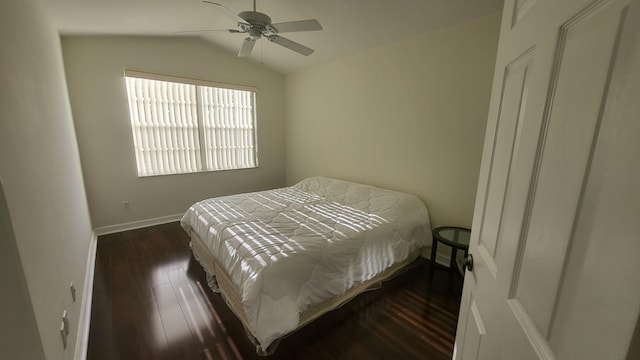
(287, 250)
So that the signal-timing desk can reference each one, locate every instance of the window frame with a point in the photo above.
(200, 121)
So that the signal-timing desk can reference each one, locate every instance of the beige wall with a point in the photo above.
(94, 67)
(21, 341)
(42, 179)
(408, 116)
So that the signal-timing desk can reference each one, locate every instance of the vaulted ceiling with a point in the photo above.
(349, 26)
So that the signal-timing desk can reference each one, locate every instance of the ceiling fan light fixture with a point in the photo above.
(255, 34)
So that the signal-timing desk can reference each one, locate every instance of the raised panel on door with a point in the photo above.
(508, 130)
(598, 295)
(521, 9)
(474, 331)
(572, 119)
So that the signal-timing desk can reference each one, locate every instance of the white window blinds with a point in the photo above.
(228, 128)
(181, 127)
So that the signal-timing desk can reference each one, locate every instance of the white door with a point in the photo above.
(556, 228)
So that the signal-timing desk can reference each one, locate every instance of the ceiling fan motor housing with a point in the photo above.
(255, 17)
(259, 24)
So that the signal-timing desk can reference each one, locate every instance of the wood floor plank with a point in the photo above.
(179, 338)
(151, 301)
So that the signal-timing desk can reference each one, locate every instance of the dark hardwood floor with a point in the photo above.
(151, 301)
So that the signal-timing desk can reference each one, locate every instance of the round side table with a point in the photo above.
(455, 237)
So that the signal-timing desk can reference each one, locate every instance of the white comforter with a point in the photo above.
(289, 248)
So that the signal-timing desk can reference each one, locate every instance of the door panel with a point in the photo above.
(542, 229)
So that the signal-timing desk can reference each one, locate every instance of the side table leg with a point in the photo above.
(432, 268)
(452, 261)
(434, 250)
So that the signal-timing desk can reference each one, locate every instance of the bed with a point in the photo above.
(283, 257)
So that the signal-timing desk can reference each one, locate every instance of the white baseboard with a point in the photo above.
(82, 337)
(137, 224)
(442, 259)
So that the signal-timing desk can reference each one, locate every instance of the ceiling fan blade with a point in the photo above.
(227, 11)
(208, 30)
(247, 46)
(301, 25)
(291, 45)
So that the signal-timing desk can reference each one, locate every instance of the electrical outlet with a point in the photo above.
(64, 329)
(65, 323)
(63, 335)
(73, 291)
(126, 205)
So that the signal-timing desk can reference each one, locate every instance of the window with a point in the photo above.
(184, 125)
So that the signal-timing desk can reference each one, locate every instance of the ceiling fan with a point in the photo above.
(257, 25)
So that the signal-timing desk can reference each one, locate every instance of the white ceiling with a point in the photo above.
(350, 26)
